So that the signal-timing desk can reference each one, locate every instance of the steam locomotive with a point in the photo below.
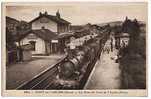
(74, 71)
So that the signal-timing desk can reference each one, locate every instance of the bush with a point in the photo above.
(133, 67)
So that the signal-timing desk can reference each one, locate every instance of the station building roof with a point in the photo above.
(44, 34)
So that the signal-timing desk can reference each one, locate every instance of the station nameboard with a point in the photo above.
(54, 41)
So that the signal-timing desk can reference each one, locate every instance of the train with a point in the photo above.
(72, 71)
(75, 70)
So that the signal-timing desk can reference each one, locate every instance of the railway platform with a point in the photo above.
(19, 73)
(106, 72)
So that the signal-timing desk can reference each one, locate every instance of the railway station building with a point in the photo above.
(46, 33)
(52, 22)
(42, 41)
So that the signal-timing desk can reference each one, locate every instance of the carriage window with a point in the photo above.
(33, 45)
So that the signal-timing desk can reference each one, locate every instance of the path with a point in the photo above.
(106, 72)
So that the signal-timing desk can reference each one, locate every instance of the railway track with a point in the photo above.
(42, 80)
(45, 79)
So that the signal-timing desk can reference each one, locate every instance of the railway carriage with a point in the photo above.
(74, 70)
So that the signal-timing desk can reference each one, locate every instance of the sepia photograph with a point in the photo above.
(83, 47)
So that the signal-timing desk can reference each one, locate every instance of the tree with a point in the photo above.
(10, 42)
(133, 28)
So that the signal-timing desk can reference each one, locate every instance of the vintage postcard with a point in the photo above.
(74, 49)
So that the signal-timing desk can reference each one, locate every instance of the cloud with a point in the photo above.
(81, 13)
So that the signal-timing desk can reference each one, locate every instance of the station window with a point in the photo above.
(33, 43)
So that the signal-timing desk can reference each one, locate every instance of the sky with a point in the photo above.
(80, 13)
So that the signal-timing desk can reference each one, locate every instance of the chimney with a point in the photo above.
(126, 18)
(46, 13)
(40, 13)
(58, 14)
